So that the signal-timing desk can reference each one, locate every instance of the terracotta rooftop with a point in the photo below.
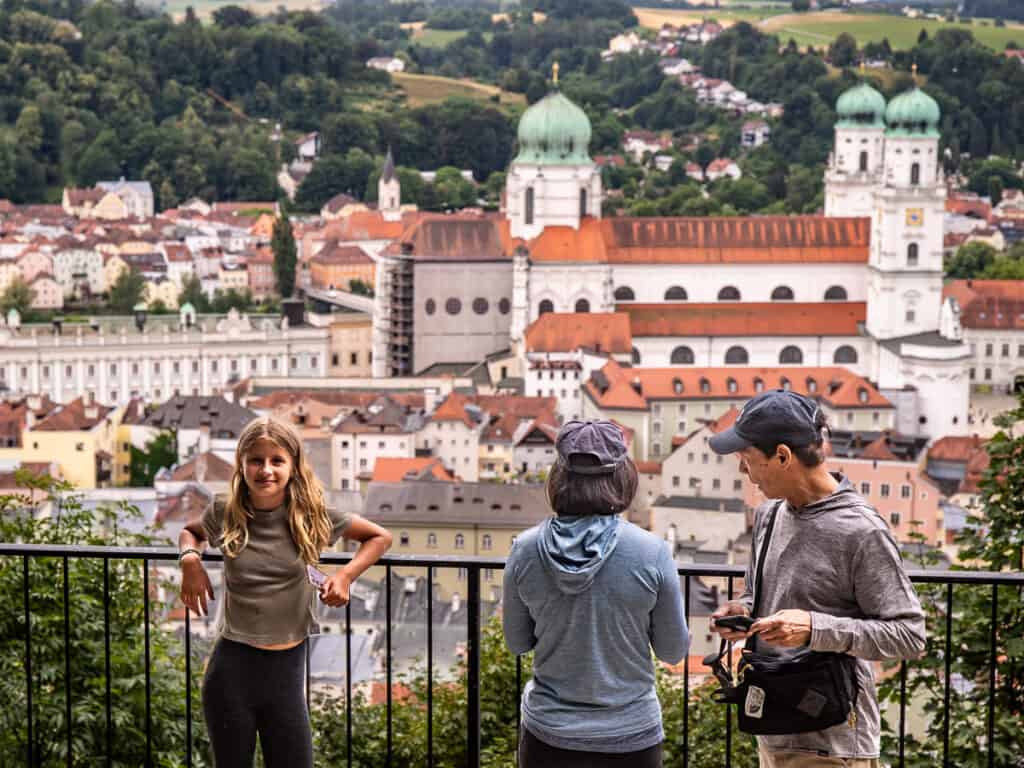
(367, 225)
(76, 416)
(617, 387)
(204, 467)
(279, 398)
(879, 451)
(395, 470)
(566, 332)
(457, 407)
(335, 254)
(435, 237)
(746, 319)
(988, 304)
(79, 197)
(959, 449)
(681, 240)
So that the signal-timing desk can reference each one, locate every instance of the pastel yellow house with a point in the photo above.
(111, 207)
(233, 276)
(9, 271)
(162, 290)
(113, 266)
(79, 436)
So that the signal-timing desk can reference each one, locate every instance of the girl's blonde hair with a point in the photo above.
(304, 496)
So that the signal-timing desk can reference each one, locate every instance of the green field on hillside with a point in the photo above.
(432, 89)
(820, 29)
(655, 18)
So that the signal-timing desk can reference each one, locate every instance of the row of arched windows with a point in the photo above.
(582, 307)
(732, 293)
(784, 383)
(737, 355)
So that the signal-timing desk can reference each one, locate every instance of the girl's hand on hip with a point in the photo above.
(335, 592)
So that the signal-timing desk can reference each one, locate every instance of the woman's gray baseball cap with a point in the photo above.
(776, 417)
(599, 439)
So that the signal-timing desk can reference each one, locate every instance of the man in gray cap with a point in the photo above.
(833, 579)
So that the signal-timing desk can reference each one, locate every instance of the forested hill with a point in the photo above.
(103, 90)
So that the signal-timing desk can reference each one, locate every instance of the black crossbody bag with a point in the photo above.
(807, 691)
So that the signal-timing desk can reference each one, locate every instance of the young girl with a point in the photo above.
(272, 526)
(591, 595)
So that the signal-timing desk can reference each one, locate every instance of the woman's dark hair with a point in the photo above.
(810, 455)
(570, 493)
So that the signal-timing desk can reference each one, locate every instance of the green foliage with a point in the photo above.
(74, 525)
(127, 291)
(843, 51)
(999, 169)
(282, 243)
(801, 6)
(160, 453)
(192, 293)
(333, 174)
(993, 540)
(360, 288)
(971, 260)
(18, 295)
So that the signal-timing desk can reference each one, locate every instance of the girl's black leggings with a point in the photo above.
(248, 692)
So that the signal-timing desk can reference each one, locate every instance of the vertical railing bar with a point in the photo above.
(992, 678)
(686, 679)
(67, 659)
(149, 712)
(28, 661)
(728, 710)
(473, 669)
(188, 688)
(106, 659)
(309, 648)
(949, 665)
(903, 712)
(519, 699)
(348, 683)
(387, 637)
(430, 666)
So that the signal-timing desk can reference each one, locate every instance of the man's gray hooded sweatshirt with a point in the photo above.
(837, 559)
(591, 595)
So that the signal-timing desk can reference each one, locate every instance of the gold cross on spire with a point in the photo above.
(554, 73)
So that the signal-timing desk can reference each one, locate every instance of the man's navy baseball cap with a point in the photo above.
(776, 417)
(597, 439)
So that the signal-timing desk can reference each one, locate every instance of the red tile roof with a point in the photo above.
(746, 319)
(617, 387)
(395, 470)
(648, 467)
(75, 416)
(566, 332)
(681, 240)
(335, 254)
(453, 408)
(879, 451)
(725, 421)
(988, 304)
(204, 467)
(959, 449)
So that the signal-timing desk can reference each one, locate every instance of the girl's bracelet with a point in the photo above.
(188, 551)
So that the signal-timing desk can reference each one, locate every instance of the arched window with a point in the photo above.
(431, 540)
(791, 356)
(582, 306)
(915, 174)
(729, 293)
(675, 293)
(863, 162)
(912, 250)
(759, 385)
(835, 293)
(862, 395)
(845, 354)
(545, 306)
(682, 356)
(731, 385)
(583, 203)
(529, 206)
(460, 541)
(812, 386)
(736, 356)
(403, 539)
(705, 385)
(485, 541)
(624, 293)
(782, 293)
(636, 356)
(786, 385)
(677, 386)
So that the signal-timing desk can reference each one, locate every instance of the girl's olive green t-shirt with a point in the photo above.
(268, 599)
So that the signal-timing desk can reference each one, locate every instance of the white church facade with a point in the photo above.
(859, 287)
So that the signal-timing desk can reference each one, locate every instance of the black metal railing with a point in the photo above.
(473, 566)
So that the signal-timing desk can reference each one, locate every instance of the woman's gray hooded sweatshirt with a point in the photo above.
(591, 596)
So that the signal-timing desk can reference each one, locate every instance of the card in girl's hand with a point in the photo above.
(316, 577)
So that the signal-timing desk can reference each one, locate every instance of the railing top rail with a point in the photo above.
(466, 561)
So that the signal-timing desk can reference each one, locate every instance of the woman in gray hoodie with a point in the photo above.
(591, 594)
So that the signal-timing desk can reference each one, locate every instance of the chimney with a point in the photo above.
(204, 436)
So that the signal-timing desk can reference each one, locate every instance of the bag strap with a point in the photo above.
(759, 563)
(759, 574)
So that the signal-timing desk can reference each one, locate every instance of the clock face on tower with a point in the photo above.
(915, 217)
